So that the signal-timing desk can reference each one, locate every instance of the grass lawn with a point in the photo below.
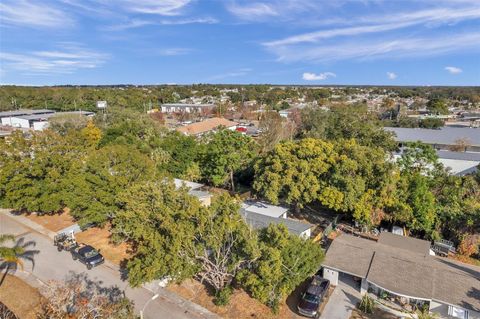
(100, 239)
(22, 299)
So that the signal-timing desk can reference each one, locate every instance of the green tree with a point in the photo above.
(346, 122)
(183, 153)
(419, 157)
(285, 261)
(437, 106)
(33, 170)
(176, 237)
(295, 172)
(226, 153)
(95, 184)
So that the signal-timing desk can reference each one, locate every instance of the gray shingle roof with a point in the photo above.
(259, 221)
(395, 266)
(445, 135)
(407, 243)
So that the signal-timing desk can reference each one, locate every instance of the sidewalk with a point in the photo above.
(168, 300)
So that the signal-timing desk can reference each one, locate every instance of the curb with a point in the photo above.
(172, 297)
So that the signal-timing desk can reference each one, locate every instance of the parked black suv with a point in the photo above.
(87, 255)
(312, 298)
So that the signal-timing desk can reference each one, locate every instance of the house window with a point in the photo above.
(457, 312)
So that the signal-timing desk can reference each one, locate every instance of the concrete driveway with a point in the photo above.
(343, 299)
(53, 265)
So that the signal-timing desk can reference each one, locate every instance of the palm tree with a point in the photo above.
(12, 256)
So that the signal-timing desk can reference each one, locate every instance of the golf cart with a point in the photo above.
(65, 241)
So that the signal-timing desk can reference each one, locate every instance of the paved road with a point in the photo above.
(53, 265)
(342, 301)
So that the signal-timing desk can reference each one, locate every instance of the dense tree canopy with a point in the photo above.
(225, 153)
(346, 122)
(285, 261)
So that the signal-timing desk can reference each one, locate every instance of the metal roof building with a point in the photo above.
(442, 137)
(259, 221)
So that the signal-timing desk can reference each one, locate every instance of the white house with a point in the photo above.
(185, 108)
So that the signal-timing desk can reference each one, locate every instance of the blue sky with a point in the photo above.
(390, 42)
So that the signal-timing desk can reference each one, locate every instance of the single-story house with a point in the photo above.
(259, 221)
(195, 189)
(403, 269)
(185, 108)
(209, 125)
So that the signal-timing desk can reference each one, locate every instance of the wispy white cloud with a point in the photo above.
(453, 69)
(383, 24)
(163, 7)
(67, 58)
(174, 51)
(33, 14)
(275, 10)
(251, 10)
(207, 20)
(232, 74)
(137, 23)
(391, 75)
(307, 76)
(379, 48)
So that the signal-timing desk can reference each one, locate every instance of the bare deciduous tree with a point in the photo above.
(82, 298)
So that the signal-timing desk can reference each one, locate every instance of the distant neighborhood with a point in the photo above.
(245, 201)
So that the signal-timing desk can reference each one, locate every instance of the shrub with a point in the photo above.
(367, 304)
(222, 298)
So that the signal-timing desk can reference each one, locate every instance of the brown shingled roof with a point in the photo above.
(205, 126)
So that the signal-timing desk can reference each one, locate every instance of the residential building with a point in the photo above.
(195, 189)
(259, 221)
(265, 209)
(186, 108)
(400, 270)
(208, 125)
(440, 138)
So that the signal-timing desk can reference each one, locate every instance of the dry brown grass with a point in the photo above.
(241, 304)
(22, 299)
(100, 239)
(54, 222)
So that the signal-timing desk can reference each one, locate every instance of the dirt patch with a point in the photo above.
(100, 239)
(241, 304)
(54, 222)
(22, 299)
(377, 314)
